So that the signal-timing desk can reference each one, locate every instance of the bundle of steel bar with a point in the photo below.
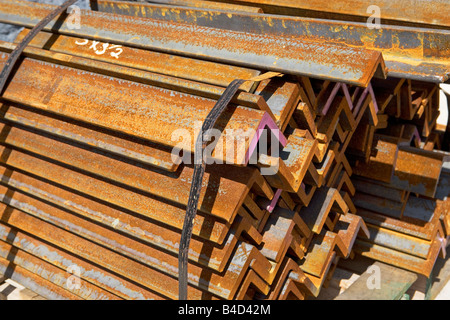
(402, 187)
(91, 185)
(401, 181)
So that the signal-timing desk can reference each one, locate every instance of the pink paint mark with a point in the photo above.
(417, 136)
(330, 99)
(360, 101)
(373, 98)
(268, 122)
(347, 96)
(274, 202)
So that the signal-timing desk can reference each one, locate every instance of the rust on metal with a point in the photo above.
(273, 53)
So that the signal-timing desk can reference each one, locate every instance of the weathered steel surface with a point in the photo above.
(221, 285)
(402, 260)
(382, 161)
(152, 233)
(280, 54)
(58, 12)
(393, 285)
(200, 4)
(136, 149)
(159, 63)
(406, 11)
(417, 171)
(95, 98)
(87, 177)
(294, 161)
(205, 226)
(53, 274)
(35, 283)
(325, 201)
(410, 52)
(59, 258)
(85, 249)
(227, 185)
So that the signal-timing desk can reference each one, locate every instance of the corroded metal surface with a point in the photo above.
(152, 61)
(205, 5)
(267, 52)
(88, 179)
(89, 104)
(407, 11)
(411, 52)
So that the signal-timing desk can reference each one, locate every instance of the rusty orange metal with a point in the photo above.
(88, 178)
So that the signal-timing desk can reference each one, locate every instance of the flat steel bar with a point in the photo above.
(87, 135)
(94, 98)
(399, 259)
(16, 53)
(90, 251)
(35, 283)
(406, 11)
(57, 276)
(410, 52)
(400, 242)
(230, 186)
(61, 259)
(274, 53)
(203, 278)
(406, 226)
(204, 4)
(204, 226)
(378, 204)
(152, 233)
(205, 78)
(375, 189)
(393, 285)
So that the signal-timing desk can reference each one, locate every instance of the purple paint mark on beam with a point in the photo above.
(417, 136)
(347, 96)
(330, 99)
(274, 202)
(375, 104)
(360, 101)
(357, 91)
(268, 122)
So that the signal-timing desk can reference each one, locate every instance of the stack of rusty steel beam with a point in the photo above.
(91, 116)
(401, 179)
(401, 176)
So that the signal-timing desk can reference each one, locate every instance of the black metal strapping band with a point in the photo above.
(15, 54)
(199, 171)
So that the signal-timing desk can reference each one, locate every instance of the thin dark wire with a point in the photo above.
(15, 54)
(199, 171)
